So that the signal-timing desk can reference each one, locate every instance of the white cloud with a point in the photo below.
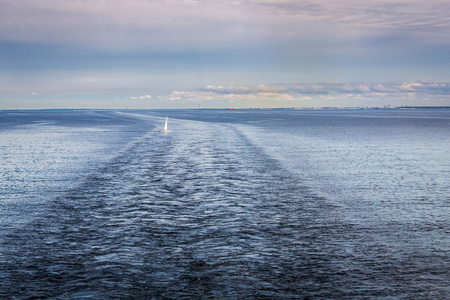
(321, 90)
(363, 88)
(372, 88)
(406, 87)
(231, 93)
(196, 95)
(144, 97)
(327, 97)
(227, 89)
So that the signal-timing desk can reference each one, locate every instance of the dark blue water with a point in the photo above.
(230, 204)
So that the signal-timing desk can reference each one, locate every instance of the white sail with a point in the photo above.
(166, 129)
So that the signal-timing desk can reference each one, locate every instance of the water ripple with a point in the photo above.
(190, 215)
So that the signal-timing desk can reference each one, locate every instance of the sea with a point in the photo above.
(231, 204)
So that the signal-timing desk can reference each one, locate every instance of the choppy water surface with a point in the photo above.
(234, 205)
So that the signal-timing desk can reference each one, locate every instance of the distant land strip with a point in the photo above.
(421, 107)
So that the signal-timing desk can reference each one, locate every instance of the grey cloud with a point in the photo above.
(243, 90)
(160, 24)
(380, 13)
(339, 90)
(422, 87)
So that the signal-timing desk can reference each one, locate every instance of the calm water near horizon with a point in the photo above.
(244, 204)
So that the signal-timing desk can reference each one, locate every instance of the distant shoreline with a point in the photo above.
(234, 109)
(422, 107)
(337, 108)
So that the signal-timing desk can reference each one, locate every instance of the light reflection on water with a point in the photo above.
(219, 210)
(395, 165)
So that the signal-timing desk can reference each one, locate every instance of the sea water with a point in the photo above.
(244, 204)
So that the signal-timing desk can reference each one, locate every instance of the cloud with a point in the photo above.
(370, 90)
(320, 90)
(118, 48)
(135, 25)
(242, 90)
(34, 94)
(412, 14)
(153, 25)
(231, 93)
(196, 95)
(144, 97)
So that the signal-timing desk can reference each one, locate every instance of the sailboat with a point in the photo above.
(165, 127)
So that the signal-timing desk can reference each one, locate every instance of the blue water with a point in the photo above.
(246, 204)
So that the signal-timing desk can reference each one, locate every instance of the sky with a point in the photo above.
(218, 54)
